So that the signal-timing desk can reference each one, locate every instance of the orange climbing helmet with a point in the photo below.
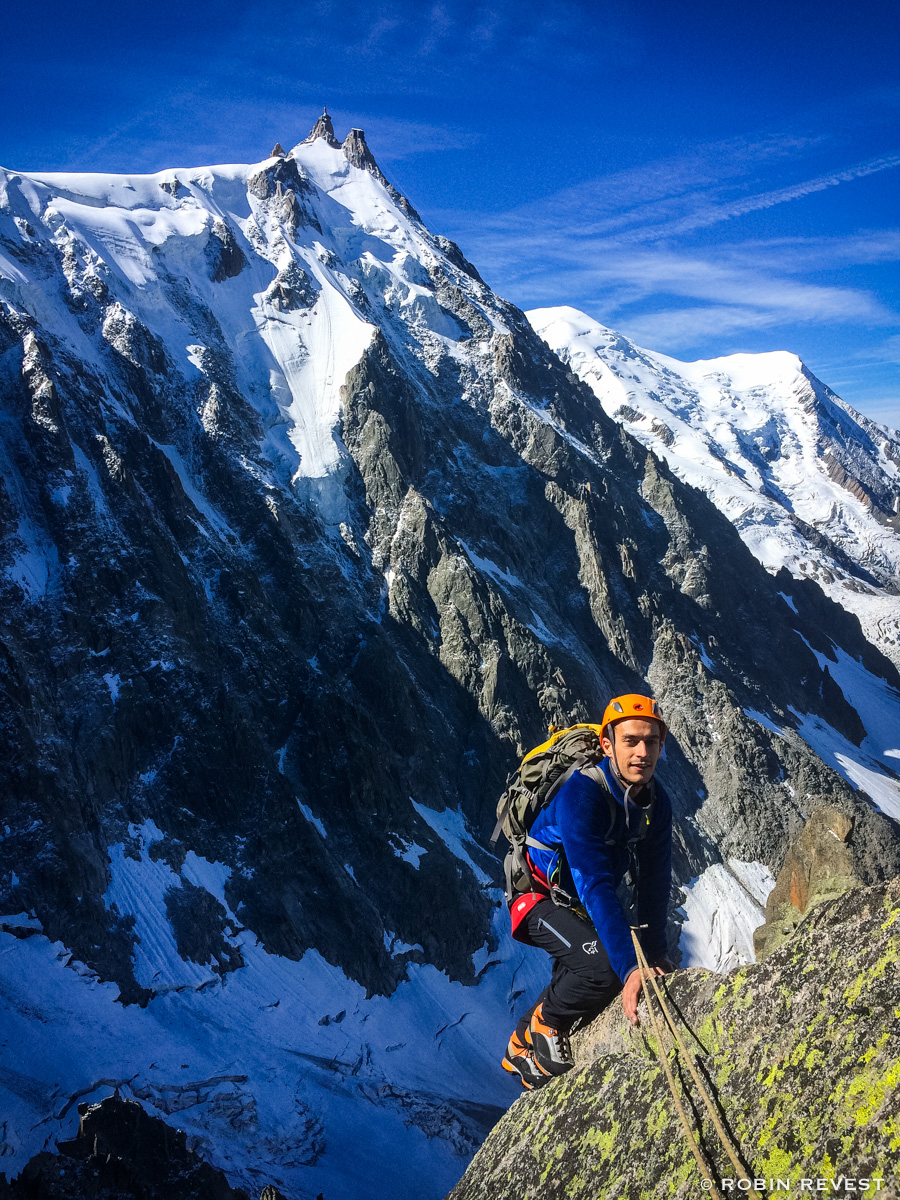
(632, 705)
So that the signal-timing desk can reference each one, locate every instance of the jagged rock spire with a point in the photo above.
(278, 152)
(358, 154)
(323, 128)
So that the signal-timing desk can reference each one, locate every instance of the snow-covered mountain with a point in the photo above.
(304, 535)
(810, 484)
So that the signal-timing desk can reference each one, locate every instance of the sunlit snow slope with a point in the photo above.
(809, 483)
(301, 332)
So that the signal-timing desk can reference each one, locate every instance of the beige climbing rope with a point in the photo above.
(727, 1146)
(688, 1132)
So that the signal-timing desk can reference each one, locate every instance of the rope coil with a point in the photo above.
(727, 1146)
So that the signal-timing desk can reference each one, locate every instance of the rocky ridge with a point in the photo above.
(121, 1153)
(812, 486)
(305, 535)
(799, 1054)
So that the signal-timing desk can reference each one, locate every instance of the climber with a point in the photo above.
(601, 823)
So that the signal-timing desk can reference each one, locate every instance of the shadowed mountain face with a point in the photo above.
(305, 535)
(121, 1153)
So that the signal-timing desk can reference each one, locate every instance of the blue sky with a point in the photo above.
(708, 178)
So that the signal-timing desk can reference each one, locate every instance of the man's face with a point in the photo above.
(637, 748)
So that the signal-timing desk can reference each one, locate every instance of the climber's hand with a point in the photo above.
(632, 990)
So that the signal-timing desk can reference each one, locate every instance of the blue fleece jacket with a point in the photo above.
(577, 819)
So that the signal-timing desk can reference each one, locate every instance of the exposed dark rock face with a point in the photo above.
(832, 626)
(799, 1055)
(358, 154)
(292, 288)
(663, 432)
(323, 128)
(226, 258)
(121, 1153)
(286, 172)
(453, 253)
(849, 457)
(198, 922)
(626, 413)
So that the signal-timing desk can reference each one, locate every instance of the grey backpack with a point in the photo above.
(530, 789)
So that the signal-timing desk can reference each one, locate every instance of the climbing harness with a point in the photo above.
(728, 1147)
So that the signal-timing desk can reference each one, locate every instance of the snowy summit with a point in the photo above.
(809, 483)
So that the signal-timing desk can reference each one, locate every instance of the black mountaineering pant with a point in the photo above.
(583, 983)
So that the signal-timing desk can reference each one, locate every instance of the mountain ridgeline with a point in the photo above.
(305, 534)
(811, 485)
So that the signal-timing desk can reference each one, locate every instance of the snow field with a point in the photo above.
(291, 364)
(722, 907)
(247, 1066)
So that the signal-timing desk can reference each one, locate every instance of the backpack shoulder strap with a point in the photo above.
(596, 772)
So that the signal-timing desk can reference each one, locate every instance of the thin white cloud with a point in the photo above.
(696, 277)
(677, 328)
(885, 353)
(707, 214)
(622, 246)
(739, 285)
(664, 200)
(644, 196)
(792, 254)
(670, 300)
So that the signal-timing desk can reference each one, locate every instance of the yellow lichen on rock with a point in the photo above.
(799, 1054)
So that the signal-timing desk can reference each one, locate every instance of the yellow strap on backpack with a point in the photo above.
(555, 735)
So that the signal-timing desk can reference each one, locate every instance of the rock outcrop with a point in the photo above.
(357, 153)
(121, 1153)
(799, 1053)
(323, 128)
(819, 866)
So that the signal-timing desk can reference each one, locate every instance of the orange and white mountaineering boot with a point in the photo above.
(519, 1060)
(551, 1049)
